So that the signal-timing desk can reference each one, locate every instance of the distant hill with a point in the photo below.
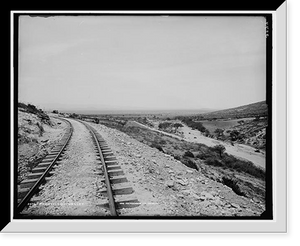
(250, 110)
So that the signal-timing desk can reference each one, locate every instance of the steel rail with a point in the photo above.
(111, 200)
(33, 189)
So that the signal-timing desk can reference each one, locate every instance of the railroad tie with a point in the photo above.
(118, 189)
(38, 175)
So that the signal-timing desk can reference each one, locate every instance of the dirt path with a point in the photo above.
(238, 150)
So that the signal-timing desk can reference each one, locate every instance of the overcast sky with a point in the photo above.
(141, 62)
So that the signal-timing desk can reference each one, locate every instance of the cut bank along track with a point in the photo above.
(38, 176)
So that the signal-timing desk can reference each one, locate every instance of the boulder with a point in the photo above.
(207, 195)
(183, 183)
(169, 183)
(186, 192)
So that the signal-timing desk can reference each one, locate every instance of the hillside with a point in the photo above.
(250, 110)
(37, 134)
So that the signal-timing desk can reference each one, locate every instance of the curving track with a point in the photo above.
(117, 185)
(117, 192)
(31, 184)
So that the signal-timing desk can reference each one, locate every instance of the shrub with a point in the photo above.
(22, 105)
(154, 145)
(32, 109)
(257, 117)
(236, 135)
(164, 125)
(190, 163)
(233, 185)
(220, 149)
(219, 132)
(162, 141)
(228, 159)
(243, 166)
(41, 128)
(206, 133)
(194, 125)
(177, 125)
(189, 154)
(202, 156)
(250, 168)
(214, 162)
(73, 115)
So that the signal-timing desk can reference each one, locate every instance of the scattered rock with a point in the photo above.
(202, 198)
(169, 183)
(183, 183)
(235, 205)
(205, 204)
(196, 197)
(255, 200)
(217, 201)
(180, 196)
(186, 192)
(214, 193)
(207, 195)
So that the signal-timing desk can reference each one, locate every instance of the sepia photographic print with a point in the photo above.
(143, 116)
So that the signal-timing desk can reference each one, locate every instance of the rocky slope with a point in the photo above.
(177, 189)
(250, 132)
(36, 136)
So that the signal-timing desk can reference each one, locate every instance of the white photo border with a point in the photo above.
(279, 155)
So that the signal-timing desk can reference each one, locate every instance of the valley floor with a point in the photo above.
(240, 151)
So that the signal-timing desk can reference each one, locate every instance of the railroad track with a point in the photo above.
(118, 189)
(31, 184)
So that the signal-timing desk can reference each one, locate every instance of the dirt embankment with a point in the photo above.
(35, 139)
